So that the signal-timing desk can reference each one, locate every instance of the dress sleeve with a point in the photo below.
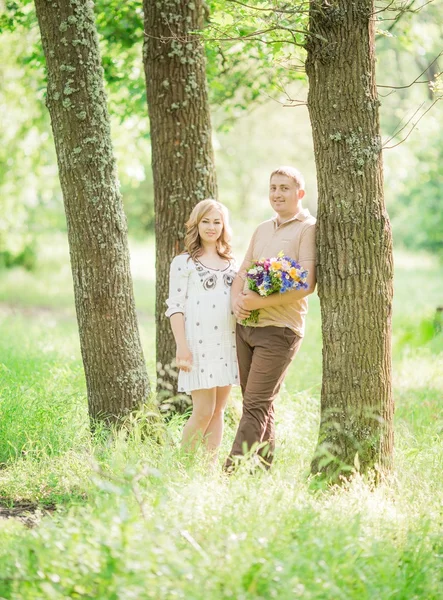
(178, 285)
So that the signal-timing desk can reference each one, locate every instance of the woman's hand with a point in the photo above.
(183, 358)
(240, 313)
(249, 301)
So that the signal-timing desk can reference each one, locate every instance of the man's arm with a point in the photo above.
(307, 259)
(251, 300)
(239, 282)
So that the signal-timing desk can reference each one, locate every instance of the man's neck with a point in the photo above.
(281, 220)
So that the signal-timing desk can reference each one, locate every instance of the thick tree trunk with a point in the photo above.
(355, 265)
(116, 376)
(182, 155)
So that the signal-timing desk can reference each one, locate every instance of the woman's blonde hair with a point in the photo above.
(192, 237)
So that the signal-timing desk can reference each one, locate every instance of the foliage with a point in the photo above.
(255, 50)
(251, 137)
(411, 115)
(11, 15)
(28, 189)
(120, 26)
(31, 198)
(25, 258)
(418, 218)
(234, 83)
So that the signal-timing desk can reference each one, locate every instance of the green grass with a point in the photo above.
(137, 520)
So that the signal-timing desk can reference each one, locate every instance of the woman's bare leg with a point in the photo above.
(214, 430)
(203, 406)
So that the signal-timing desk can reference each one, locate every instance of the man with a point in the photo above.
(266, 349)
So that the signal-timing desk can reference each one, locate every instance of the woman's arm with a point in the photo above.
(178, 285)
(236, 296)
(183, 355)
(239, 282)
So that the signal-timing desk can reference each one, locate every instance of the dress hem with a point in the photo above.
(207, 387)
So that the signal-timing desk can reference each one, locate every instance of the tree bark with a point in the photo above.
(115, 369)
(354, 242)
(182, 154)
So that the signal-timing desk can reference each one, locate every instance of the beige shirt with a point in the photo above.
(296, 238)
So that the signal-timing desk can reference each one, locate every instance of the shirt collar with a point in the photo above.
(302, 215)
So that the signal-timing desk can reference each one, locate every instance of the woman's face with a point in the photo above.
(210, 227)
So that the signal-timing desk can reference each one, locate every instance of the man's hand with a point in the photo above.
(183, 358)
(239, 311)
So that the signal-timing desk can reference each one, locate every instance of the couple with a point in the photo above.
(208, 294)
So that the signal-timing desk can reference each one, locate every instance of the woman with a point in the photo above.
(203, 323)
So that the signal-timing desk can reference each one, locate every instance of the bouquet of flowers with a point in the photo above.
(271, 275)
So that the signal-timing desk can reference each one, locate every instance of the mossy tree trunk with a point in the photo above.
(115, 370)
(182, 154)
(355, 265)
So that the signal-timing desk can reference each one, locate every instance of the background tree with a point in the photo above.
(355, 265)
(115, 370)
(181, 139)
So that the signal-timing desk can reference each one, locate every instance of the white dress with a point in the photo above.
(203, 295)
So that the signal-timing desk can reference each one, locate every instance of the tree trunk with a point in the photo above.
(182, 155)
(115, 370)
(354, 242)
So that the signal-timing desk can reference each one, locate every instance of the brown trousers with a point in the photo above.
(264, 355)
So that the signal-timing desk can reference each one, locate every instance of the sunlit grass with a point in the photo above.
(138, 519)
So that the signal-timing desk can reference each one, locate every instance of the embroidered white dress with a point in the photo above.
(203, 295)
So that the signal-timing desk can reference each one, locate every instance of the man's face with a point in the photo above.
(284, 196)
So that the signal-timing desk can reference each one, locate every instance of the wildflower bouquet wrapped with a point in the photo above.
(271, 275)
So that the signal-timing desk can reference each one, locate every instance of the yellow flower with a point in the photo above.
(276, 265)
(285, 265)
(293, 272)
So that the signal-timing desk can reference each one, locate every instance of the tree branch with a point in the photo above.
(397, 131)
(402, 11)
(384, 147)
(403, 87)
(294, 11)
(384, 8)
(269, 30)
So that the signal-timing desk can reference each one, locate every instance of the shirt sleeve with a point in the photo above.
(249, 257)
(178, 285)
(307, 249)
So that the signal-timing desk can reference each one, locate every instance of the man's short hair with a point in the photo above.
(293, 173)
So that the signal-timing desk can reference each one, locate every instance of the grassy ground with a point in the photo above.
(136, 520)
